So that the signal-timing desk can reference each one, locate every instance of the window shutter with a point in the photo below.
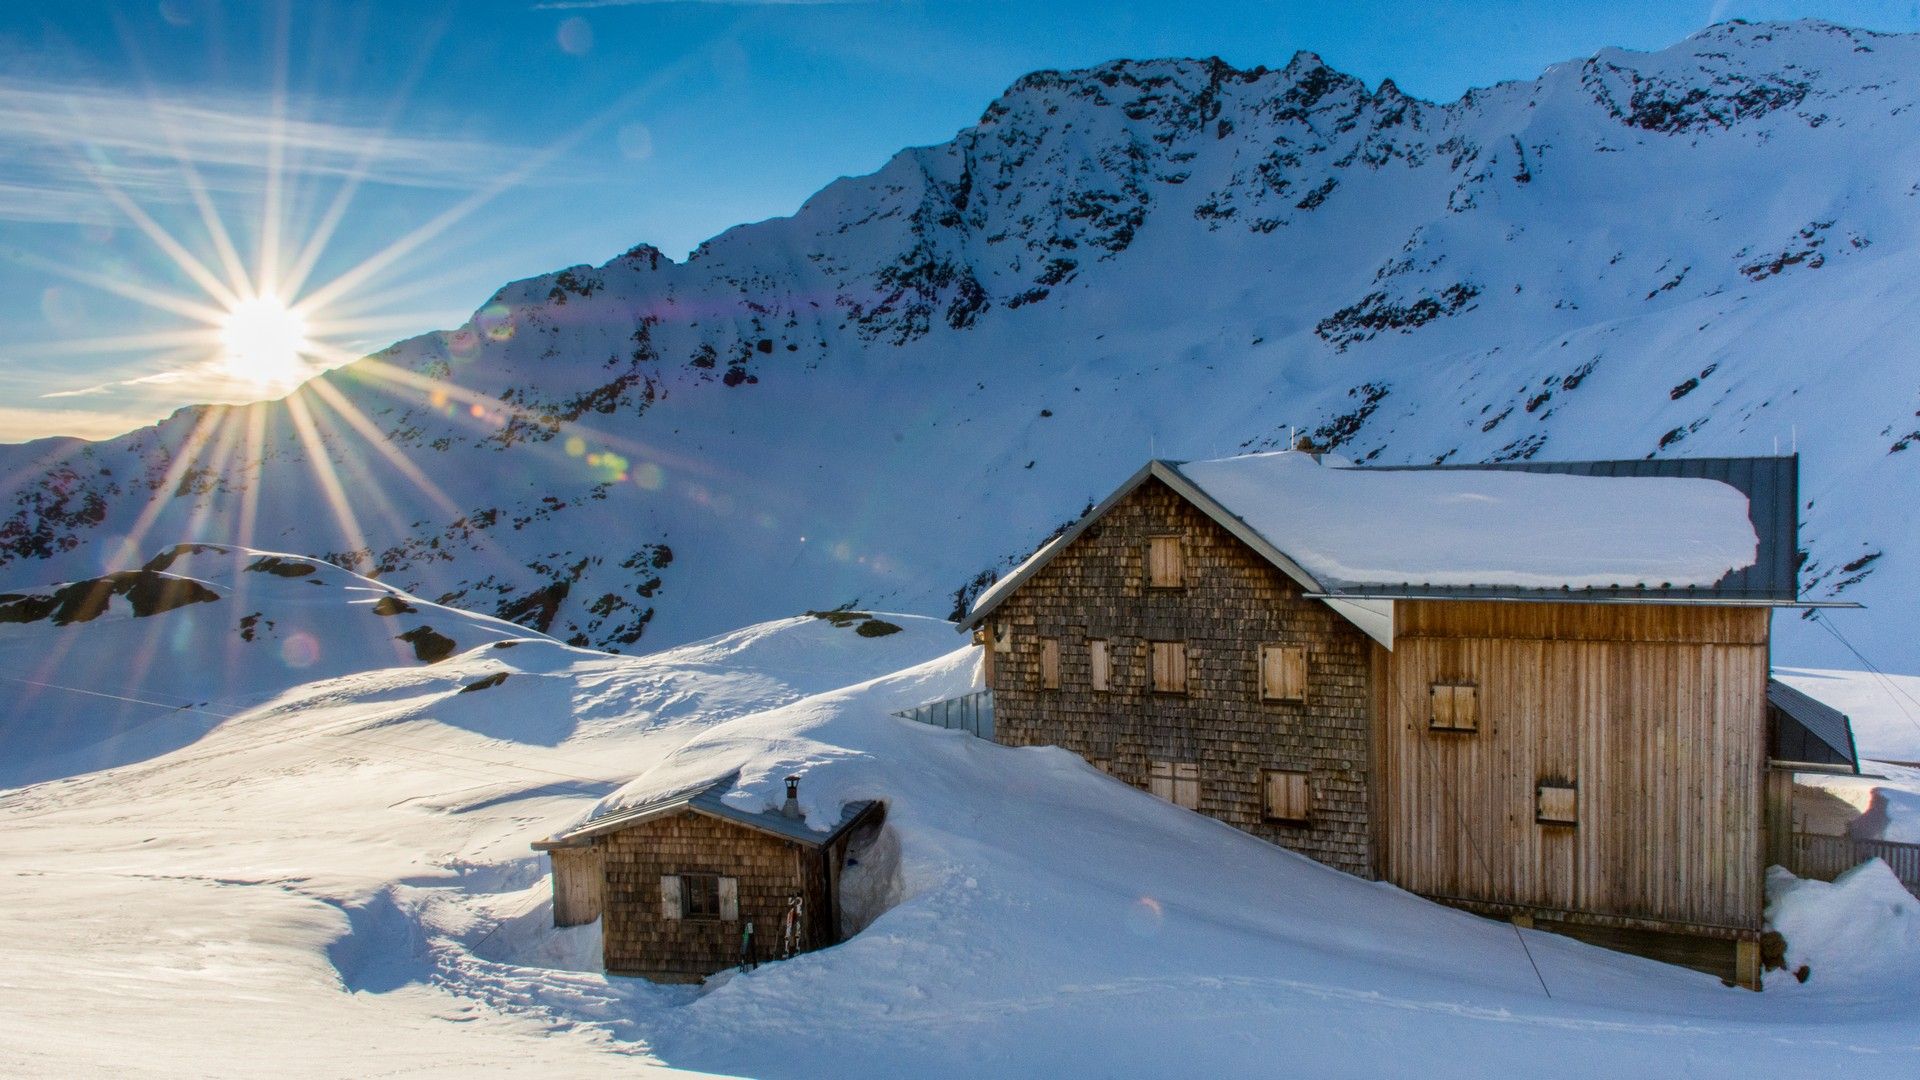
(1186, 785)
(1466, 708)
(1097, 664)
(1050, 664)
(669, 896)
(1160, 780)
(729, 899)
(1558, 804)
(1289, 794)
(1165, 566)
(1169, 667)
(1283, 672)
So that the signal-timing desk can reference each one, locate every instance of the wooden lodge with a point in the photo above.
(689, 884)
(1527, 690)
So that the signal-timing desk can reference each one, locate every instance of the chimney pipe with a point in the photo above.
(792, 807)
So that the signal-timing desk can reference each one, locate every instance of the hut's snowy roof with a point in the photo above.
(707, 798)
(1717, 529)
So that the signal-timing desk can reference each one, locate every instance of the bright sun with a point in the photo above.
(265, 341)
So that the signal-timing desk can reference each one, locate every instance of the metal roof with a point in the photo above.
(1772, 488)
(708, 798)
(1804, 729)
(1771, 485)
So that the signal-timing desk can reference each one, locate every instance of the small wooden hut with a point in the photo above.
(1533, 690)
(689, 884)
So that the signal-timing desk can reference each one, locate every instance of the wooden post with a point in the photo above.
(1746, 963)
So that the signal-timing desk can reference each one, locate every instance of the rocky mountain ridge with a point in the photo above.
(904, 386)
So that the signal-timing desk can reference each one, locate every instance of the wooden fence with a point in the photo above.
(1827, 857)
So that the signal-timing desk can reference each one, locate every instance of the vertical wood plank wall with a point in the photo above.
(1657, 713)
(1231, 602)
(576, 885)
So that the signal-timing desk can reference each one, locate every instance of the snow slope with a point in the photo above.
(337, 881)
(901, 389)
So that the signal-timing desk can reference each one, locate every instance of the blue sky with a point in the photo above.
(429, 152)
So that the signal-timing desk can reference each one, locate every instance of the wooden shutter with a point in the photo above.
(669, 896)
(1169, 667)
(1289, 795)
(1186, 785)
(1558, 804)
(1160, 780)
(1049, 664)
(1099, 672)
(1178, 782)
(1166, 567)
(1283, 672)
(1456, 707)
(1466, 708)
(729, 899)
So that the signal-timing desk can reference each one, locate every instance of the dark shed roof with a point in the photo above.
(1800, 728)
(1772, 488)
(709, 799)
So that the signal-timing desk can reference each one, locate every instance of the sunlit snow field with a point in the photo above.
(331, 876)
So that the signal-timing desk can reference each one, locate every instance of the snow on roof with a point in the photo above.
(1355, 527)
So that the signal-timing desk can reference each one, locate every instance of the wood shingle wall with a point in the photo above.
(1230, 603)
(639, 940)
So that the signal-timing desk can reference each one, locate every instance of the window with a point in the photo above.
(1283, 672)
(1099, 668)
(1002, 637)
(700, 897)
(1049, 664)
(1178, 782)
(1169, 667)
(1456, 707)
(1166, 566)
(1289, 794)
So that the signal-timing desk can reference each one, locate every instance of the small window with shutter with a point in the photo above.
(1289, 795)
(1456, 707)
(1283, 673)
(1002, 636)
(1099, 669)
(1178, 782)
(1049, 663)
(1166, 563)
(1558, 803)
(1169, 666)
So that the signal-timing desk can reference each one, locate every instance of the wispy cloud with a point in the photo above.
(58, 137)
(578, 5)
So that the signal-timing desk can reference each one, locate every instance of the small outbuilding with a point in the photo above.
(690, 884)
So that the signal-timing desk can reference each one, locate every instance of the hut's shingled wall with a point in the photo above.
(638, 940)
(1232, 602)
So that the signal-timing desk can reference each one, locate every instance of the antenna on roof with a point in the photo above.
(1794, 431)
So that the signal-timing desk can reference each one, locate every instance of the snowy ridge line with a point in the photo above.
(1041, 298)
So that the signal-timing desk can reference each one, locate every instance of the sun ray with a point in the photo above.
(322, 233)
(203, 426)
(321, 465)
(143, 294)
(267, 266)
(161, 238)
(201, 337)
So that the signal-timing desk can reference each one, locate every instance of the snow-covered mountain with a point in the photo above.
(1704, 250)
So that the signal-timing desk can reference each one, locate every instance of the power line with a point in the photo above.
(1895, 691)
